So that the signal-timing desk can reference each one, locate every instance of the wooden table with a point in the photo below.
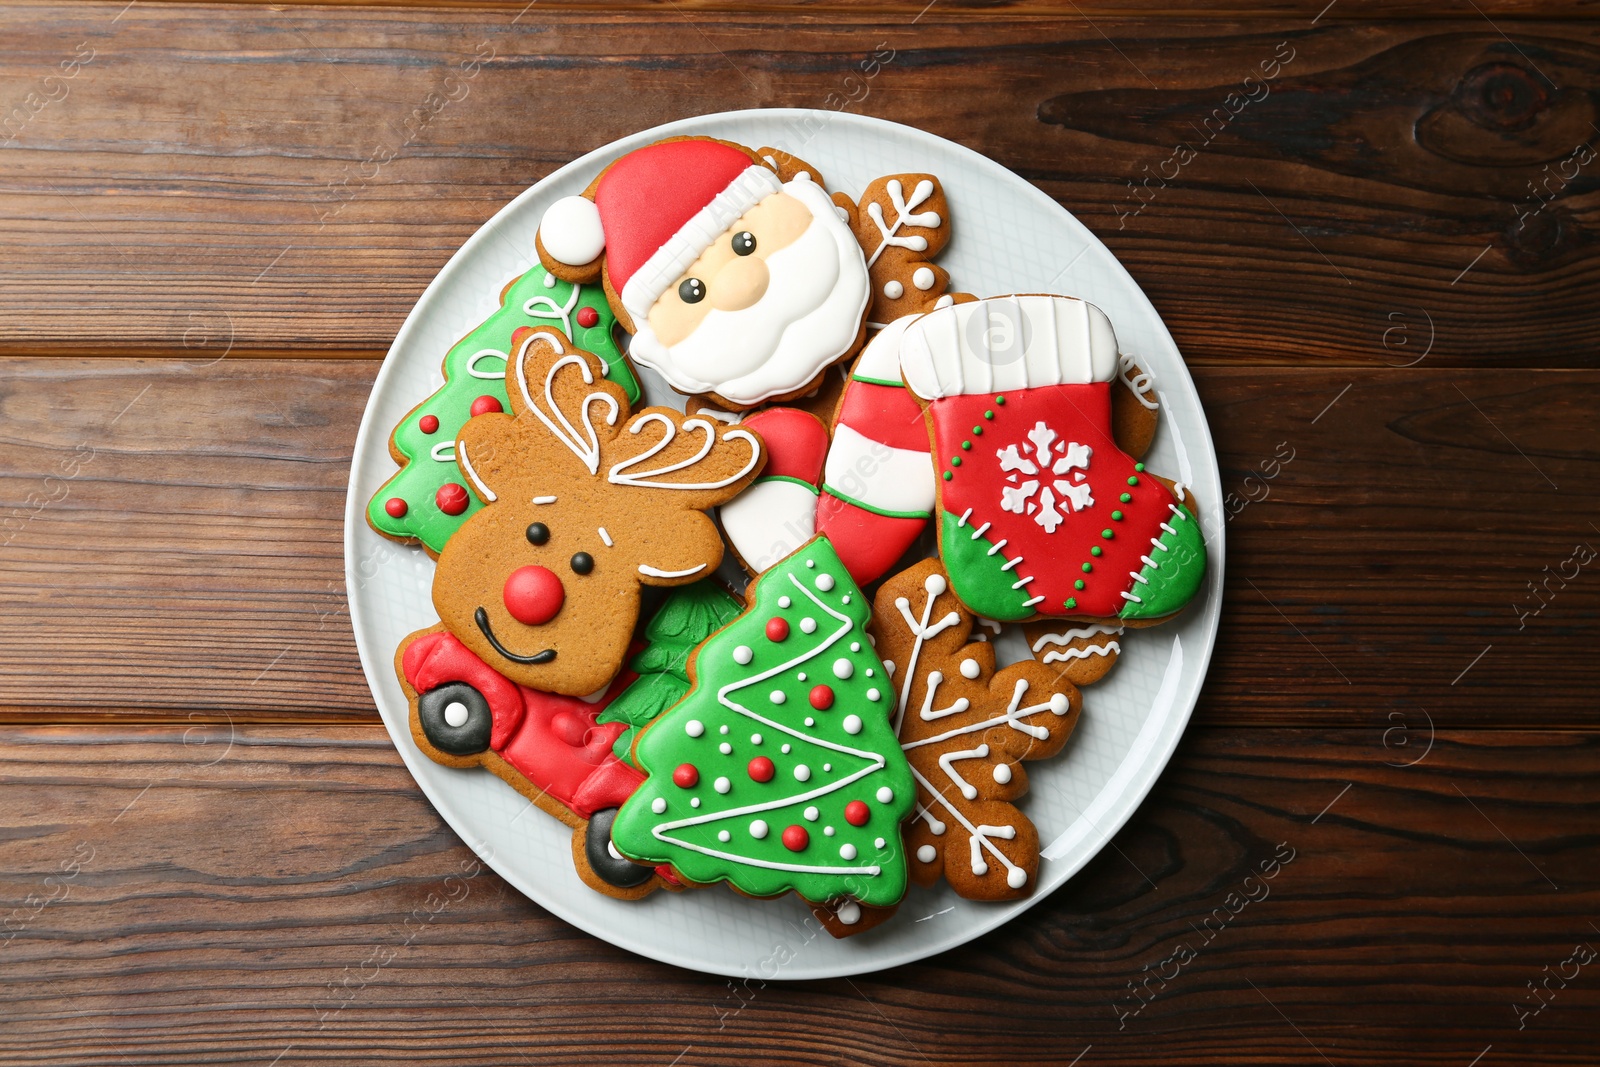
(1386, 255)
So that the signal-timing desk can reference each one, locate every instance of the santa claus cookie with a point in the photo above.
(735, 282)
(1039, 513)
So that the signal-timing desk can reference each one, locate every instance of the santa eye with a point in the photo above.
(582, 563)
(744, 242)
(692, 291)
(538, 533)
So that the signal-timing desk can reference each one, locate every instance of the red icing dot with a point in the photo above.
(588, 317)
(857, 813)
(795, 839)
(777, 629)
(451, 498)
(687, 776)
(822, 697)
(395, 507)
(485, 404)
(761, 769)
(533, 595)
(428, 424)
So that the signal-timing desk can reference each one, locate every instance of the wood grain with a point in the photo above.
(203, 530)
(221, 910)
(235, 187)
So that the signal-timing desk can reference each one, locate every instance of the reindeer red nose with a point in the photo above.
(533, 595)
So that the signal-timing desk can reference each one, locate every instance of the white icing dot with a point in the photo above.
(849, 913)
(935, 584)
(888, 667)
(847, 851)
(825, 582)
(827, 831)
(927, 853)
(1017, 878)
(843, 668)
(755, 739)
(885, 795)
(723, 835)
(1059, 704)
(724, 729)
(801, 676)
(694, 802)
(784, 750)
(722, 785)
(777, 696)
(743, 655)
(784, 602)
(549, 281)
(810, 814)
(802, 773)
(879, 843)
(658, 805)
(758, 829)
(827, 766)
(694, 727)
(852, 724)
(855, 646)
(810, 721)
(970, 668)
(923, 278)
(808, 626)
(811, 563)
(893, 290)
(845, 599)
(455, 714)
(873, 694)
(725, 748)
(871, 673)
(1002, 773)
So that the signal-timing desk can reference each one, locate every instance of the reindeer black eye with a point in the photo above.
(744, 242)
(582, 562)
(538, 533)
(692, 291)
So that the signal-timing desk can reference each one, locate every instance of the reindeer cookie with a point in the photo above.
(584, 502)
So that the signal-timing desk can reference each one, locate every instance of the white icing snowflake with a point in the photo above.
(1068, 463)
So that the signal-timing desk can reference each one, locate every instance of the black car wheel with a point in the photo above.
(455, 718)
(604, 858)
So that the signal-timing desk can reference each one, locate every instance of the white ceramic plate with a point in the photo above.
(1008, 237)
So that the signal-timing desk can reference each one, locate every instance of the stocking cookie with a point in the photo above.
(965, 729)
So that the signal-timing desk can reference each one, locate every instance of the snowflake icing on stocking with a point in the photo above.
(1061, 470)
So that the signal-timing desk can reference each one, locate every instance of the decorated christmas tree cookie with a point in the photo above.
(427, 500)
(780, 770)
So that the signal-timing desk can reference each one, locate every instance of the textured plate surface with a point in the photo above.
(1008, 237)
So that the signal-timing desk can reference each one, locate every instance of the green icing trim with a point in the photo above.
(864, 506)
(1173, 584)
(877, 381)
(787, 478)
(421, 476)
(770, 696)
(976, 576)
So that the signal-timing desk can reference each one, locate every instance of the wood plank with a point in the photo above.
(194, 563)
(228, 187)
(220, 910)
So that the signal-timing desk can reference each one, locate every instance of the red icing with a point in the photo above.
(687, 776)
(777, 629)
(797, 443)
(761, 769)
(795, 838)
(428, 424)
(856, 813)
(822, 697)
(588, 317)
(533, 595)
(395, 507)
(868, 543)
(885, 413)
(451, 498)
(485, 404)
(552, 741)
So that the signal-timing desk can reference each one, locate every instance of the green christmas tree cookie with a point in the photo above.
(427, 501)
(779, 770)
(689, 615)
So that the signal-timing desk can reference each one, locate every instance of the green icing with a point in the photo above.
(528, 301)
(1168, 588)
(976, 575)
(826, 768)
(689, 615)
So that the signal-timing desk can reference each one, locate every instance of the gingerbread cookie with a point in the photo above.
(1081, 654)
(901, 222)
(966, 728)
(427, 501)
(584, 503)
(779, 771)
(735, 282)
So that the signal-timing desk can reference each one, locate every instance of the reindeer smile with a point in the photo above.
(481, 617)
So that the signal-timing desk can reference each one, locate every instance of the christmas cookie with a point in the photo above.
(1039, 512)
(779, 771)
(901, 222)
(584, 502)
(427, 500)
(966, 728)
(1081, 654)
(777, 514)
(735, 282)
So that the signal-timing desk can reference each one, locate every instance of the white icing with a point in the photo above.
(843, 668)
(1142, 383)
(947, 761)
(725, 748)
(777, 696)
(743, 655)
(810, 814)
(443, 452)
(1064, 341)
(1002, 773)
(880, 359)
(654, 573)
(623, 474)
(1074, 634)
(970, 668)
(659, 805)
(1067, 655)
(927, 853)
(885, 795)
(587, 451)
(902, 480)
(849, 913)
(724, 836)
(847, 851)
(694, 727)
(571, 232)
(802, 773)
(606, 538)
(466, 465)
(542, 307)
(879, 843)
(893, 290)
(472, 364)
(852, 724)
(923, 278)
(784, 602)
(544, 500)
(722, 785)
(873, 694)
(825, 582)
(808, 626)
(758, 829)
(755, 739)
(455, 714)
(769, 520)
(905, 214)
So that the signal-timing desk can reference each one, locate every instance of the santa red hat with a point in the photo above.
(654, 212)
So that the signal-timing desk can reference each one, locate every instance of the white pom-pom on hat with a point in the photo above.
(571, 232)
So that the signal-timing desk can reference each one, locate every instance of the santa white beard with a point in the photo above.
(809, 316)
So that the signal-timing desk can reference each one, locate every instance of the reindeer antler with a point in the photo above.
(709, 476)
(550, 413)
